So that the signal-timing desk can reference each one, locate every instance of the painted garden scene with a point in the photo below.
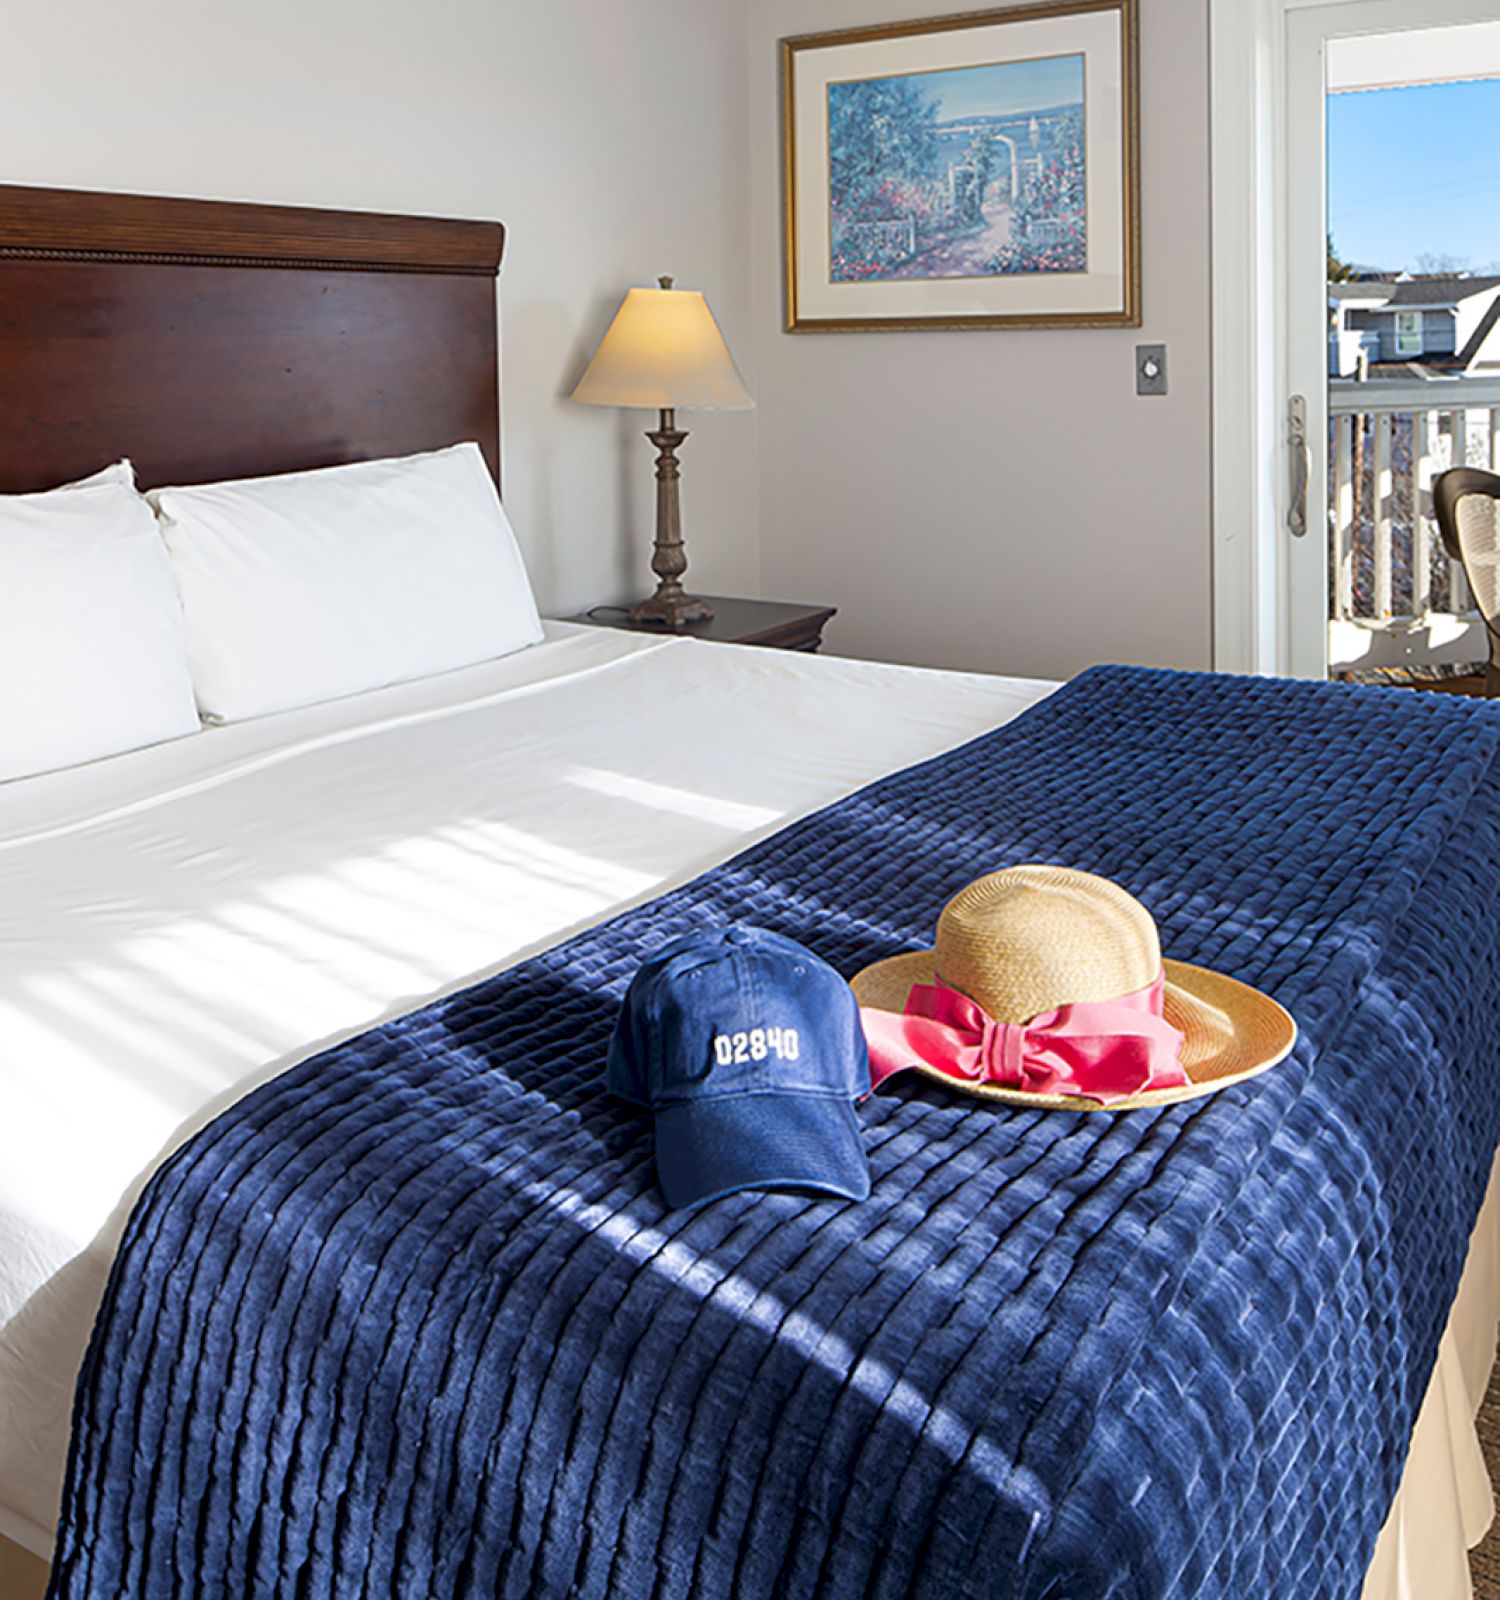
(969, 172)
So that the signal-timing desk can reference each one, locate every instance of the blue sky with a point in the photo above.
(1011, 86)
(1413, 171)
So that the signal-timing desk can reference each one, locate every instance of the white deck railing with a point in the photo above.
(1394, 597)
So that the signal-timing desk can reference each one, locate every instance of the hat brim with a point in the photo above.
(1230, 1031)
(709, 1148)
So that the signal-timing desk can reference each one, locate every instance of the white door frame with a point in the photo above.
(1247, 174)
(1245, 98)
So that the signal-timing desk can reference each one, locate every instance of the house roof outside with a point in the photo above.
(1400, 293)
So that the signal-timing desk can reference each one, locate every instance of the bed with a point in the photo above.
(186, 926)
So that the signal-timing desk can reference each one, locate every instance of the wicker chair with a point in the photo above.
(1467, 503)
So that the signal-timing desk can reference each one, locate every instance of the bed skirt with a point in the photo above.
(1445, 1504)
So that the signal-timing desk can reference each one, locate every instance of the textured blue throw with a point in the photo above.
(412, 1319)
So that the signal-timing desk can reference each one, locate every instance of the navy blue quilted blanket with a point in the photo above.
(412, 1319)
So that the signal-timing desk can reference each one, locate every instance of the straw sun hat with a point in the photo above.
(1038, 944)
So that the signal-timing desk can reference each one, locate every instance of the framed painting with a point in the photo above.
(975, 171)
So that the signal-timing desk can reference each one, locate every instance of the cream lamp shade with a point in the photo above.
(662, 352)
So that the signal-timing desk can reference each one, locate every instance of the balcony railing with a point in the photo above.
(1394, 598)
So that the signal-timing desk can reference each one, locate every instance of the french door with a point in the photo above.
(1303, 531)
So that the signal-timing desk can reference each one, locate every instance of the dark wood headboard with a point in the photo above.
(205, 339)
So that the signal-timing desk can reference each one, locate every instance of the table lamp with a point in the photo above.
(664, 352)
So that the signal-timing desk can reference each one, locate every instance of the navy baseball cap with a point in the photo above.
(749, 1050)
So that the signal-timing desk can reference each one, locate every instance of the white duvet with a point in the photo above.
(179, 923)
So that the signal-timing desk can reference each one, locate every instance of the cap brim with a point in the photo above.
(709, 1148)
(1230, 1031)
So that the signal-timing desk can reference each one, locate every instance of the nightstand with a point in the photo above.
(773, 623)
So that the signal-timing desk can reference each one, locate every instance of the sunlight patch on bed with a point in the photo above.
(734, 815)
(876, 1380)
(153, 1025)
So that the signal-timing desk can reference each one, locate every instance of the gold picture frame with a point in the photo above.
(1044, 234)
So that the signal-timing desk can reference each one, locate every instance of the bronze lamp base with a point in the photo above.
(667, 610)
(671, 606)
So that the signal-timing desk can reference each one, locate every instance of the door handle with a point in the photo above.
(1296, 516)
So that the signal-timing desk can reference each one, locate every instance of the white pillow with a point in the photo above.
(92, 651)
(121, 471)
(318, 584)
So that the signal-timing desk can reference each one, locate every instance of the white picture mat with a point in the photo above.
(1099, 37)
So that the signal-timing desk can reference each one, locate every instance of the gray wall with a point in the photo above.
(552, 115)
(998, 500)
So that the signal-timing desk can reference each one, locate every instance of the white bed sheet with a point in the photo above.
(179, 923)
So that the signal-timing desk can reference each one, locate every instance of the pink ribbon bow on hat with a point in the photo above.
(1105, 1049)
